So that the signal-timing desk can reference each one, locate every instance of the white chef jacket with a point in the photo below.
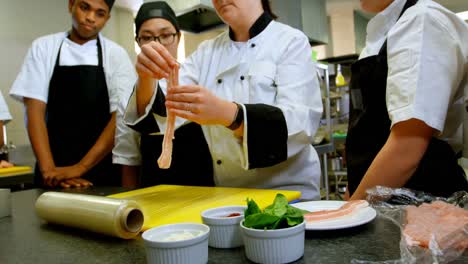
(427, 53)
(5, 115)
(126, 150)
(274, 68)
(35, 74)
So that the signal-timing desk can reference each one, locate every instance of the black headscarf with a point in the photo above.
(158, 9)
(109, 3)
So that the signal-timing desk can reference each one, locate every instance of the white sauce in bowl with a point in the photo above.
(180, 235)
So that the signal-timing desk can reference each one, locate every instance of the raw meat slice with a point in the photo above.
(441, 222)
(164, 161)
(346, 209)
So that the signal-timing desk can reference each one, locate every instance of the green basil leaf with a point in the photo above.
(292, 221)
(292, 211)
(280, 200)
(278, 207)
(252, 208)
(275, 216)
(260, 220)
(281, 223)
(277, 211)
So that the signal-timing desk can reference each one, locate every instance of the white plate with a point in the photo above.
(362, 216)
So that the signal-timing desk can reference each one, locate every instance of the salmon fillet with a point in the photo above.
(345, 210)
(164, 161)
(445, 223)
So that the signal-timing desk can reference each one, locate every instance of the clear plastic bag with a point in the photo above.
(442, 221)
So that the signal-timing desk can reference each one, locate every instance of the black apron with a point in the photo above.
(438, 172)
(190, 166)
(77, 113)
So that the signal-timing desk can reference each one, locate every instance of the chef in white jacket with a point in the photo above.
(70, 84)
(254, 91)
(407, 92)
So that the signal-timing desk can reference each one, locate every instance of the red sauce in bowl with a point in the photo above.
(234, 215)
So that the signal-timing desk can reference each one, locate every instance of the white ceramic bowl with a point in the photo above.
(184, 243)
(274, 246)
(224, 229)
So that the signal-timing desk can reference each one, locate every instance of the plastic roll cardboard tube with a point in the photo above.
(114, 217)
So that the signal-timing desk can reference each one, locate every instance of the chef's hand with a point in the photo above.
(70, 172)
(75, 183)
(48, 177)
(198, 104)
(55, 176)
(154, 61)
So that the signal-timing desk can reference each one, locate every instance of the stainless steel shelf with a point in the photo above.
(338, 173)
(324, 148)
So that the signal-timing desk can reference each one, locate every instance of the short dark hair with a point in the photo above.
(267, 8)
(109, 3)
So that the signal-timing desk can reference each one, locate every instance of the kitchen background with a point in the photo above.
(336, 23)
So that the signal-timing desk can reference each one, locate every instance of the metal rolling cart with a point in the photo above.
(331, 120)
(327, 147)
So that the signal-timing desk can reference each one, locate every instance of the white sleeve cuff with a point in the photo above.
(5, 117)
(136, 161)
(245, 146)
(408, 112)
(131, 114)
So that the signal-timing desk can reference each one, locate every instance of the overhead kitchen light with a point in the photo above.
(132, 5)
(463, 15)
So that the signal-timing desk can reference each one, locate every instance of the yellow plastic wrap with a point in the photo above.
(114, 217)
(169, 204)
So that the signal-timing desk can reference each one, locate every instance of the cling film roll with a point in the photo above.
(108, 216)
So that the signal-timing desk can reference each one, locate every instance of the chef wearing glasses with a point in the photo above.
(138, 152)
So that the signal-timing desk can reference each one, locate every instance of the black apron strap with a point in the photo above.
(77, 113)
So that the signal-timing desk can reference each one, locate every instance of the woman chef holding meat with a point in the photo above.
(255, 92)
(407, 99)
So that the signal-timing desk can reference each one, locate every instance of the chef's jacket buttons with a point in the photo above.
(253, 45)
(219, 162)
(242, 77)
(220, 81)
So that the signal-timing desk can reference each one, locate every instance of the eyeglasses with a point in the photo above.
(164, 39)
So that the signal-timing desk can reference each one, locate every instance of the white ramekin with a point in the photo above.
(274, 246)
(224, 231)
(189, 251)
